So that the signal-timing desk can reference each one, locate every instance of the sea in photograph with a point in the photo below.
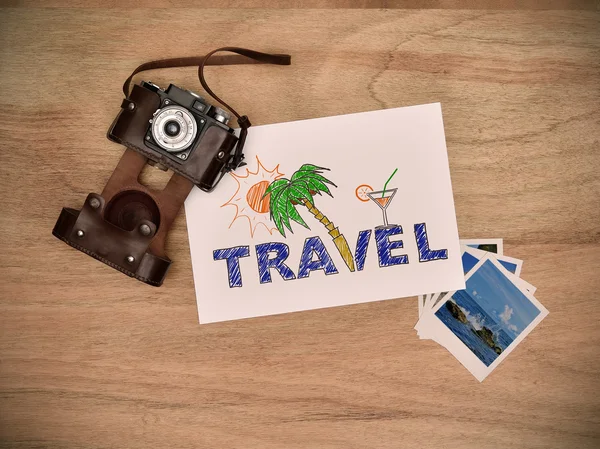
(474, 327)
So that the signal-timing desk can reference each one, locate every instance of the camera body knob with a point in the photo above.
(221, 115)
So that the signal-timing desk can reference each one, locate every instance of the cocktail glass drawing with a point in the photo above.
(383, 198)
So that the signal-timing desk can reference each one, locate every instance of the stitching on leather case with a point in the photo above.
(107, 262)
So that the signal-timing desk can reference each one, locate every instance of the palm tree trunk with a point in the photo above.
(338, 239)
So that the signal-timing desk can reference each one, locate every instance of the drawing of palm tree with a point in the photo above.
(286, 194)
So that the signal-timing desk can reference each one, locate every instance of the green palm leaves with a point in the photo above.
(300, 189)
(285, 194)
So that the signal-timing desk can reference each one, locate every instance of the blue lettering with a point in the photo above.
(323, 262)
(282, 251)
(385, 247)
(232, 255)
(362, 243)
(316, 257)
(426, 254)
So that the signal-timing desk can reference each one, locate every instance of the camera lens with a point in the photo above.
(172, 128)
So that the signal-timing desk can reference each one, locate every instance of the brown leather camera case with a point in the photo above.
(126, 225)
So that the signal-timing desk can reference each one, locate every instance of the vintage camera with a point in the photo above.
(126, 225)
(179, 130)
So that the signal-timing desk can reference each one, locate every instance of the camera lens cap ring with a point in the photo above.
(174, 128)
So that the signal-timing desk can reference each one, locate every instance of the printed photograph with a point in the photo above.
(489, 314)
(512, 267)
(489, 247)
(469, 261)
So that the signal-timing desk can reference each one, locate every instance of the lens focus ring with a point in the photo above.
(174, 128)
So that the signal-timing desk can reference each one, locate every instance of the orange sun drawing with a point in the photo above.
(248, 198)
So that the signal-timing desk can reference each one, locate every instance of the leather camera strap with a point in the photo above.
(244, 56)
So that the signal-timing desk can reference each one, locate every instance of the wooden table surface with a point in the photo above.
(92, 359)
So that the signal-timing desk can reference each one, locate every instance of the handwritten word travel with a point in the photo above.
(273, 256)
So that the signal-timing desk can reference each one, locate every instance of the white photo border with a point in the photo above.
(462, 353)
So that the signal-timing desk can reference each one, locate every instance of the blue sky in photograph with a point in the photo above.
(469, 261)
(512, 267)
(501, 299)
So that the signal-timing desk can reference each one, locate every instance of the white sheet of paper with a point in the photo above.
(360, 149)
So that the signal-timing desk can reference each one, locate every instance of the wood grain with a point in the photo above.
(589, 5)
(90, 358)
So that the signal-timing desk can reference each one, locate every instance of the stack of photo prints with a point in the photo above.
(483, 323)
